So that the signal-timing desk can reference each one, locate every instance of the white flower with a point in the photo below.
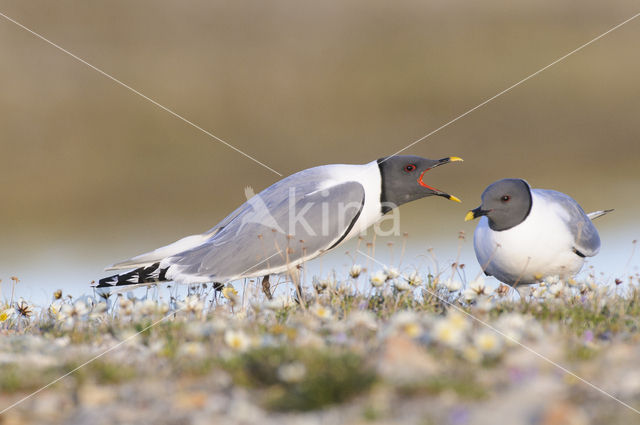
(355, 271)
(378, 278)
(126, 306)
(469, 294)
(392, 273)
(538, 291)
(278, 303)
(363, 318)
(448, 333)
(414, 279)
(192, 304)
(7, 314)
(512, 325)
(401, 285)
(453, 285)
(292, 372)
(237, 340)
(452, 329)
(146, 307)
(488, 342)
(322, 312)
(478, 286)
(77, 309)
(556, 290)
(407, 322)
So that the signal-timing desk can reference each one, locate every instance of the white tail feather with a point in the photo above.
(160, 254)
(596, 214)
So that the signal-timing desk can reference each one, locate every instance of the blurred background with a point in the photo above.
(91, 174)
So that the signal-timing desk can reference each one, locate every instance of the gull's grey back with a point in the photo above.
(259, 230)
(587, 240)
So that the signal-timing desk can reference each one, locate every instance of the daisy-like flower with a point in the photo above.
(478, 286)
(145, 308)
(453, 285)
(278, 303)
(488, 342)
(193, 304)
(126, 306)
(401, 285)
(6, 314)
(321, 312)
(230, 293)
(237, 340)
(364, 319)
(414, 279)
(539, 291)
(458, 320)
(77, 309)
(24, 309)
(392, 273)
(54, 310)
(407, 323)
(449, 333)
(378, 278)
(320, 285)
(355, 271)
(556, 290)
(475, 289)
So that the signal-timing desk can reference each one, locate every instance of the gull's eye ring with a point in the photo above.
(505, 198)
(409, 168)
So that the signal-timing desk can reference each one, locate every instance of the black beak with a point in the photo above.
(473, 214)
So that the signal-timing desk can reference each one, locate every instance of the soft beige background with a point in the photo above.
(91, 173)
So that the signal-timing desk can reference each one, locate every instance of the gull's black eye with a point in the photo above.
(505, 198)
(409, 168)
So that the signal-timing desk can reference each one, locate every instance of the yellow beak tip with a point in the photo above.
(454, 198)
(470, 216)
(455, 159)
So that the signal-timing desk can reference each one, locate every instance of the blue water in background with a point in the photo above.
(72, 267)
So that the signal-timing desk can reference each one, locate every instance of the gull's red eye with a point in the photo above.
(505, 198)
(409, 168)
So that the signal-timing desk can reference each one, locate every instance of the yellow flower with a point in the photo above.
(6, 314)
(230, 293)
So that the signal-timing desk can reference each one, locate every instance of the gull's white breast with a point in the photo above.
(542, 245)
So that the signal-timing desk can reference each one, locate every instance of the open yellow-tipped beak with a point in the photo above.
(454, 198)
(470, 216)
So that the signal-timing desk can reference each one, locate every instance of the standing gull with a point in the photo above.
(295, 220)
(527, 234)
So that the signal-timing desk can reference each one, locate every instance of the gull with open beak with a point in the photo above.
(295, 220)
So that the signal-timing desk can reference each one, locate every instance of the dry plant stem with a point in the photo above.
(405, 236)
(266, 287)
